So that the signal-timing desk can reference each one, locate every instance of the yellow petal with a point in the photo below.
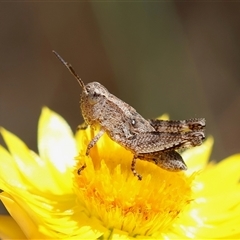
(226, 177)
(29, 228)
(57, 145)
(9, 173)
(55, 140)
(229, 165)
(215, 210)
(9, 229)
(165, 116)
(33, 171)
(48, 218)
(197, 158)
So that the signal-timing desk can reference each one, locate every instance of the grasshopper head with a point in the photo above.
(92, 102)
(94, 93)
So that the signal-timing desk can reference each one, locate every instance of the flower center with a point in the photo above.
(109, 191)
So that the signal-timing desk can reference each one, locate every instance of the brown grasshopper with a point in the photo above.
(150, 140)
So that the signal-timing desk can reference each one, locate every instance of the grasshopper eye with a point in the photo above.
(133, 122)
(96, 94)
(88, 88)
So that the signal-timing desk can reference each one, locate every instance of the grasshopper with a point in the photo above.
(155, 141)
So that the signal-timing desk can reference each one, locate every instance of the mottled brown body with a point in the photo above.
(151, 140)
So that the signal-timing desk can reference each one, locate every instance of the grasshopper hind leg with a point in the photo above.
(171, 161)
(167, 160)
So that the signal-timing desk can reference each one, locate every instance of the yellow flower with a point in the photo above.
(46, 198)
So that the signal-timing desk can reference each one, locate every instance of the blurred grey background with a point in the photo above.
(179, 58)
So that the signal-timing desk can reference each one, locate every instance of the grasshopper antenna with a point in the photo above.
(71, 70)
